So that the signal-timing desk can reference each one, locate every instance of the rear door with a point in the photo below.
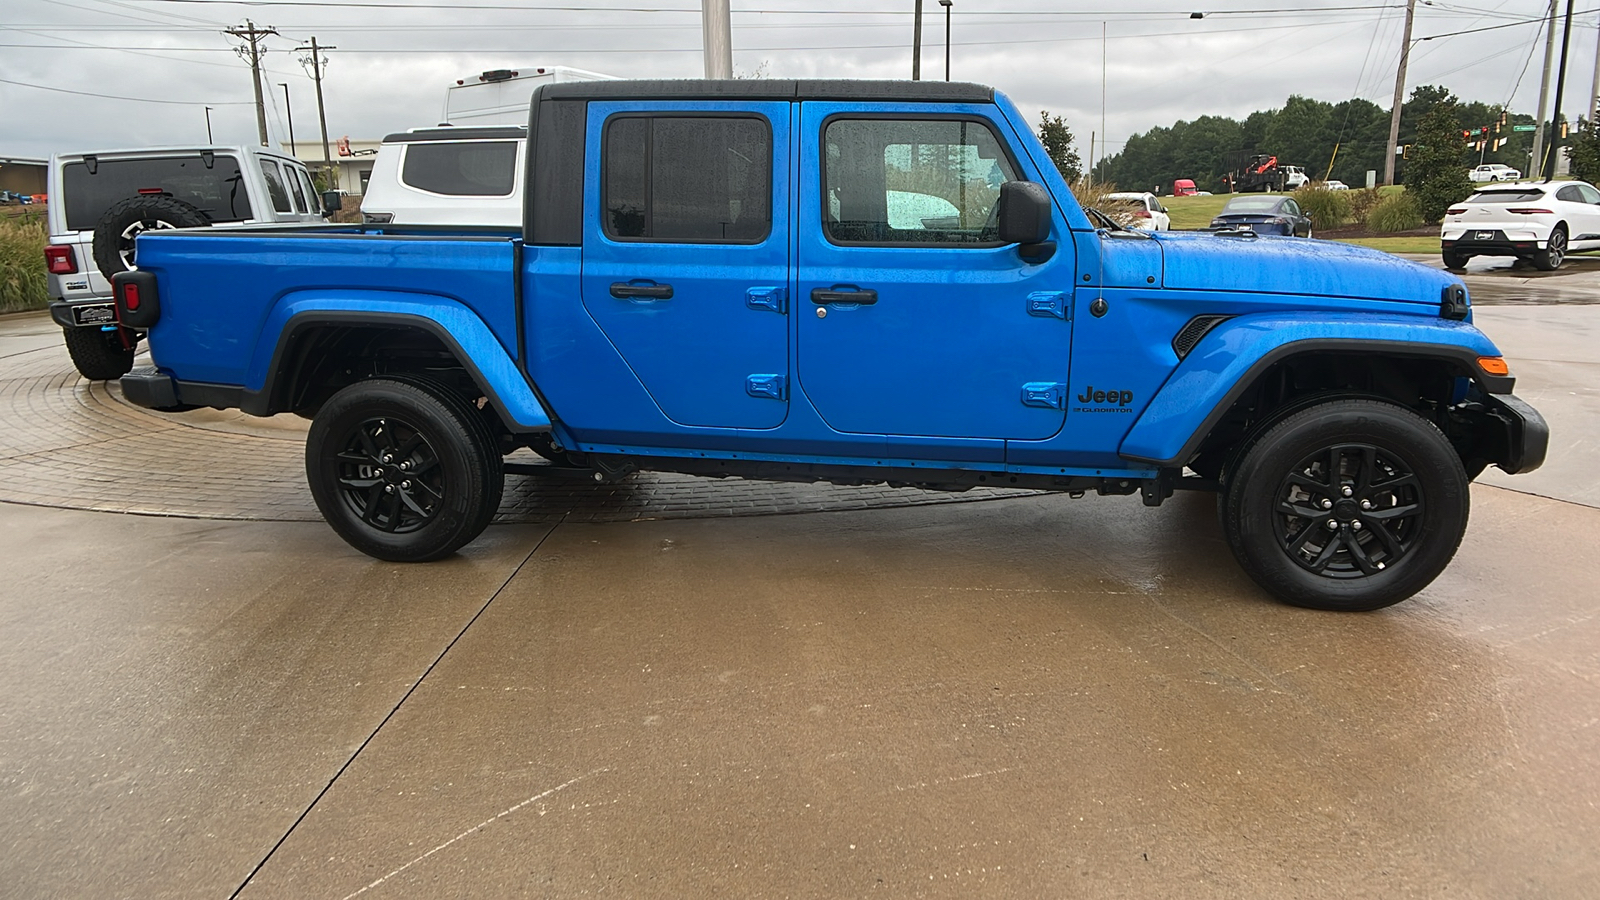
(685, 265)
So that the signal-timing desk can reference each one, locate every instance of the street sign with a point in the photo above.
(1524, 127)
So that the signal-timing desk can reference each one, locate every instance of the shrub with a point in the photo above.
(22, 274)
(1362, 201)
(1327, 209)
(1395, 213)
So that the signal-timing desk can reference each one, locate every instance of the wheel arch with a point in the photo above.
(320, 350)
(1200, 415)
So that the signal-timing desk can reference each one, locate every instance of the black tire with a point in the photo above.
(1392, 534)
(1555, 250)
(402, 469)
(99, 355)
(1455, 260)
(126, 219)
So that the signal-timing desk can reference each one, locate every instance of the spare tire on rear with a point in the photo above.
(126, 219)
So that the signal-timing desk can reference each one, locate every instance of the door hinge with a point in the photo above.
(772, 299)
(1045, 394)
(772, 387)
(1048, 304)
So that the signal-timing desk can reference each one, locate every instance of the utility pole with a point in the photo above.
(1549, 166)
(316, 61)
(288, 110)
(1399, 94)
(717, 30)
(916, 45)
(253, 51)
(1544, 89)
(1594, 89)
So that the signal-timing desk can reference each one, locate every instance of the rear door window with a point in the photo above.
(461, 168)
(296, 190)
(275, 188)
(688, 178)
(217, 190)
(313, 201)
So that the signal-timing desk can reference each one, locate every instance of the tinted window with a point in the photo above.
(218, 191)
(1251, 205)
(461, 168)
(275, 188)
(912, 181)
(1590, 195)
(677, 178)
(313, 201)
(1523, 196)
(1570, 194)
(296, 189)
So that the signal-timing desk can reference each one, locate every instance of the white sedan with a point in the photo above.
(1140, 211)
(1537, 222)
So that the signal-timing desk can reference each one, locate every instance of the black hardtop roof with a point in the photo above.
(769, 89)
(451, 133)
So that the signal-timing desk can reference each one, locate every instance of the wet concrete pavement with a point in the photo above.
(1019, 697)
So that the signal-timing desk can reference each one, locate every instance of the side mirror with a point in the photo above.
(332, 202)
(1024, 213)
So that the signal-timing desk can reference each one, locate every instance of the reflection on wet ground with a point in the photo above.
(1504, 281)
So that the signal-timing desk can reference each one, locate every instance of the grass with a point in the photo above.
(1191, 213)
(22, 274)
(1398, 244)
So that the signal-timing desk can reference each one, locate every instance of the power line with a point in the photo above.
(1100, 14)
(42, 87)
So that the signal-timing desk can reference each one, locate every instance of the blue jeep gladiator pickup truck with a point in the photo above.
(854, 282)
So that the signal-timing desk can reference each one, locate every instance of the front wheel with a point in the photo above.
(400, 469)
(1347, 505)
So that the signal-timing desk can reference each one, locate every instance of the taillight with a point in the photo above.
(1141, 213)
(130, 297)
(151, 192)
(60, 259)
(1530, 211)
(1456, 211)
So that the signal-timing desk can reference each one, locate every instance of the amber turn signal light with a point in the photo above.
(1494, 365)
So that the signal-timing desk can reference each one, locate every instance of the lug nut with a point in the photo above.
(388, 457)
(388, 489)
(1327, 504)
(1366, 504)
(1332, 524)
(406, 484)
(1355, 526)
(1347, 490)
(406, 466)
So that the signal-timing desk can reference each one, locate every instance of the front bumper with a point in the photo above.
(1522, 437)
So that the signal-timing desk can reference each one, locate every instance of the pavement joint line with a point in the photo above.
(47, 452)
(516, 570)
(1512, 490)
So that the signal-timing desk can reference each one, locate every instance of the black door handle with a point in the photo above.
(825, 296)
(624, 290)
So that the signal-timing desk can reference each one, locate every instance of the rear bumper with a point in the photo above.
(93, 312)
(150, 388)
(1498, 247)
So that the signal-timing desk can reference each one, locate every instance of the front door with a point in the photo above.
(913, 318)
(685, 267)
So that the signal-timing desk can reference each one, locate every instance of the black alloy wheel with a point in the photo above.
(402, 469)
(1350, 504)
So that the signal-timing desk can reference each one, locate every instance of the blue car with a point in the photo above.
(1263, 214)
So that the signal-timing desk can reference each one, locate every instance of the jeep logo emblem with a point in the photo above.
(1120, 398)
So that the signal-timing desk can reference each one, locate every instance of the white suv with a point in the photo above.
(1140, 211)
(119, 193)
(448, 176)
(1537, 222)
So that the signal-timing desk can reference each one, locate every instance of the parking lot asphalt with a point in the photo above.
(706, 688)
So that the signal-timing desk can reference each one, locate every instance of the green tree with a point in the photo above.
(1057, 140)
(1584, 151)
(1436, 172)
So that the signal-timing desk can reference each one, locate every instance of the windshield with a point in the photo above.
(1522, 196)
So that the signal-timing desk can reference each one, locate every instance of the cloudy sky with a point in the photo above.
(87, 74)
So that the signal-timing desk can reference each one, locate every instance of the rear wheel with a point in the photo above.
(1555, 250)
(403, 469)
(98, 355)
(1346, 505)
(1455, 260)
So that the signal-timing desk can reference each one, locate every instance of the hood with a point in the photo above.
(1271, 265)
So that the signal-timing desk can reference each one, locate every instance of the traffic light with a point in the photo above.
(1563, 129)
(1405, 151)
(1500, 122)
